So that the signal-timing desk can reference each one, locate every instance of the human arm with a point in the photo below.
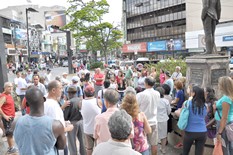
(147, 127)
(66, 104)
(168, 108)
(59, 133)
(175, 101)
(2, 101)
(223, 121)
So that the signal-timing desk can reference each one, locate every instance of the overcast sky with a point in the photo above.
(115, 11)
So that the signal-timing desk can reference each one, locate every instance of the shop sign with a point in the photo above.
(132, 48)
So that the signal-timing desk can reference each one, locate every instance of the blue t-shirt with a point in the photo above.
(196, 122)
(180, 96)
(219, 107)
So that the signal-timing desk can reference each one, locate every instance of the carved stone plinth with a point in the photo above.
(205, 70)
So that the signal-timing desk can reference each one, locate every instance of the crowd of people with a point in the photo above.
(116, 112)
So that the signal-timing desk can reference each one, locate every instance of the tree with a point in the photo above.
(88, 26)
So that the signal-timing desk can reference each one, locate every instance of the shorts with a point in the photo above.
(153, 136)
(89, 141)
(162, 130)
(8, 126)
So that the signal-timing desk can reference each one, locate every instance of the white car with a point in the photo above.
(231, 64)
(124, 63)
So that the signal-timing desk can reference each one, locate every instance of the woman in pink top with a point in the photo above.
(141, 125)
(161, 76)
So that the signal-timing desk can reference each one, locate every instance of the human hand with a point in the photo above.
(7, 118)
(219, 138)
(69, 127)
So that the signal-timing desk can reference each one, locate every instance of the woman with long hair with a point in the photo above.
(224, 112)
(196, 127)
(141, 125)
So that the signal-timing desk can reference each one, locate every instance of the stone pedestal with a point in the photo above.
(205, 70)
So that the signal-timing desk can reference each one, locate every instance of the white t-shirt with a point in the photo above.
(21, 84)
(100, 93)
(53, 109)
(148, 101)
(89, 111)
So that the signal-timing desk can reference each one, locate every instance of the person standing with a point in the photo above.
(177, 74)
(49, 135)
(29, 76)
(7, 110)
(169, 81)
(99, 81)
(161, 76)
(196, 130)
(72, 113)
(224, 112)
(101, 130)
(48, 77)
(148, 101)
(89, 111)
(36, 83)
(128, 75)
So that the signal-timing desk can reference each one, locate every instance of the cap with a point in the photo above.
(75, 78)
(168, 73)
(89, 89)
(64, 73)
(72, 89)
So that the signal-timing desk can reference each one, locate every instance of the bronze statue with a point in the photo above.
(211, 13)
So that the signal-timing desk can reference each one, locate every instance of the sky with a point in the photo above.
(114, 16)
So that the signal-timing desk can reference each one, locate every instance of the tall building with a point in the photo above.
(158, 27)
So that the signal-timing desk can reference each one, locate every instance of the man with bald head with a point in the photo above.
(48, 130)
(52, 107)
(7, 111)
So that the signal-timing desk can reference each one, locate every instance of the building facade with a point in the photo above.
(162, 24)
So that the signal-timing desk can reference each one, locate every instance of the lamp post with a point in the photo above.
(68, 44)
(28, 47)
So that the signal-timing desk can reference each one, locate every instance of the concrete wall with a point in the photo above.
(193, 13)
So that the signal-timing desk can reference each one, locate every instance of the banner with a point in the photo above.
(133, 48)
(157, 46)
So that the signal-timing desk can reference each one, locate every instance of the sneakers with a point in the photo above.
(12, 150)
(178, 146)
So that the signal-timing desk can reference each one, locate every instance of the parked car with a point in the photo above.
(124, 63)
(231, 64)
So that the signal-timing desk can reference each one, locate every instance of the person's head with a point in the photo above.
(153, 69)
(35, 99)
(97, 70)
(182, 80)
(35, 72)
(225, 85)
(75, 79)
(178, 85)
(87, 77)
(48, 70)
(8, 87)
(23, 75)
(130, 105)
(120, 73)
(198, 99)
(161, 91)
(120, 125)
(18, 74)
(112, 78)
(64, 75)
(149, 82)
(111, 97)
(129, 90)
(55, 89)
(178, 68)
(167, 75)
(166, 88)
(209, 95)
(42, 80)
(58, 78)
(36, 79)
(106, 84)
(161, 71)
(72, 91)
(89, 91)
(29, 71)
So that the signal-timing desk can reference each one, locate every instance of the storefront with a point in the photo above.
(134, 51)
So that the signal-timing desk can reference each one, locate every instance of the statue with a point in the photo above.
(211, 13)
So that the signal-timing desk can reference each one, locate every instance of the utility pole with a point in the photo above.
(3, 69)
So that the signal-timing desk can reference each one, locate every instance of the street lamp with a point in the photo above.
(68, 45)
(28, 47)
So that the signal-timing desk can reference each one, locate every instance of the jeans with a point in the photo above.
(198, 137)
(147, 152)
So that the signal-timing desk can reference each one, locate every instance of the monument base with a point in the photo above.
(205, 70)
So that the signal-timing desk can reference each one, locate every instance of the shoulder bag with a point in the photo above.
(184, 116)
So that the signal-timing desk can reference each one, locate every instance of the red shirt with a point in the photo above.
(118, 79)
(99, 82)
(162, 78)
(9, 106)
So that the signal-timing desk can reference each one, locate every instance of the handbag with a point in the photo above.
(228, 129)
(184, 115)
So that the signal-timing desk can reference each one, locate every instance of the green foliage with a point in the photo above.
(170, 65)
(96, 65)
(88, 26)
